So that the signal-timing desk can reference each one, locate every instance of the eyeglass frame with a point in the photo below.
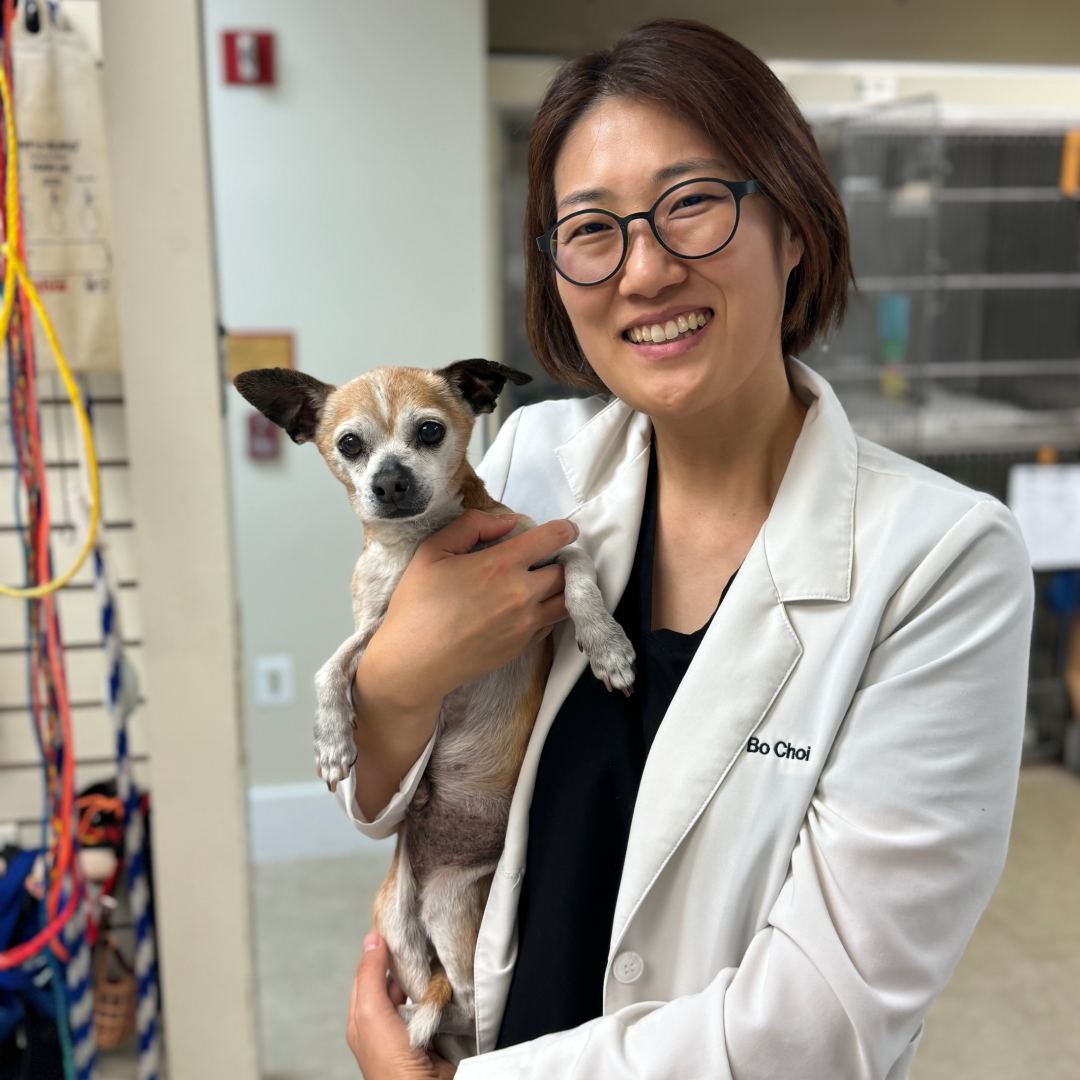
(738, 188)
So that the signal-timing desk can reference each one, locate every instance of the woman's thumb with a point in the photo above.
(464, 533)
(371, 974)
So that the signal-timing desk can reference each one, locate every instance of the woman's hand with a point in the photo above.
(376, 1035)
(457, 614)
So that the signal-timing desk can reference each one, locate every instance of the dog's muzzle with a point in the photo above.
(395, 492)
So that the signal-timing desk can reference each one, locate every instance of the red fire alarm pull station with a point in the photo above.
(249, 57)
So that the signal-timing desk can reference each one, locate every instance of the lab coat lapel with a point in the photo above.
(611, 453)
(803, 551)
(743, 661)
(606, 464)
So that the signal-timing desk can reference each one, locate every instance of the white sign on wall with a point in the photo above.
(1046, 502)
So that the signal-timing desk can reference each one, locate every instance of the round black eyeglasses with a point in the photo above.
(692, 220)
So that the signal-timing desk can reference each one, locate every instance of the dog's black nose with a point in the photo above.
(391, 484)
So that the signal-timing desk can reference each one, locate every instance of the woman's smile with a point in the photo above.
(662, 340)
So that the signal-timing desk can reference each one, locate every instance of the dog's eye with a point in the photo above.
(350, 445)
(430, 433)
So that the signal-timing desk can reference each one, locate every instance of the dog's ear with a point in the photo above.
(290, 398)
(480, 382)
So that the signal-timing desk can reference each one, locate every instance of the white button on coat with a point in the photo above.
(628, 967)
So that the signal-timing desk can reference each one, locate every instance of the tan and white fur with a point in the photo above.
(396, 438)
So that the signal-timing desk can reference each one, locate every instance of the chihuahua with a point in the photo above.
(396, 438)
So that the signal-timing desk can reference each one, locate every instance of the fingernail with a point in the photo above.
(371, 941)
(575, 532)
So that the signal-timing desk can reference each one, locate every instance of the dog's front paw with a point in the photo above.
(610, 654)
(335, 752)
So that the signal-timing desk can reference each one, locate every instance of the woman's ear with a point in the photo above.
(793, 249)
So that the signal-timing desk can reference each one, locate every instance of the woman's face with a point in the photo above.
(619, 147)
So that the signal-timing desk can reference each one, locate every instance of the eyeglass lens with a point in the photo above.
(693, 220)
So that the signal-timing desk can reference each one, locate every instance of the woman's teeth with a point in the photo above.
(681, 326)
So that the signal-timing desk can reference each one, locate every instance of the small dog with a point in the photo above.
(397, 439)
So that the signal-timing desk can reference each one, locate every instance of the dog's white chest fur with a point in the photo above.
(375, 576)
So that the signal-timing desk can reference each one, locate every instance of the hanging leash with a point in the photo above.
(15, 273)
(121, 699)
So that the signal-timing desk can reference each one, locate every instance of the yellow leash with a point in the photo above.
(14, 269)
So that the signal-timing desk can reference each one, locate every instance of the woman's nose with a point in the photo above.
(649, 267)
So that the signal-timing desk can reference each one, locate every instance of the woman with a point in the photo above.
(778, 878)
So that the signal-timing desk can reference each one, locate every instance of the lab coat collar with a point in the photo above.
(809, 534)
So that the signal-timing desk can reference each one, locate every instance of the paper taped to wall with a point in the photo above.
(1045, 500)
(64, 181)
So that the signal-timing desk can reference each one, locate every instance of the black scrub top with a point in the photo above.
(579, 820)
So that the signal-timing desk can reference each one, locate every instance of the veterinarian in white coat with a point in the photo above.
(825, 809)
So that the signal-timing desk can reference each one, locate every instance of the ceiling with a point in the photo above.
(986, 31)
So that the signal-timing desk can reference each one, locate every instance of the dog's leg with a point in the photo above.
(396, 917)
(335, 750)
(451, 907)
(599, 636)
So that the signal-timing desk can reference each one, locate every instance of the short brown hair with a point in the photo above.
(711, 80)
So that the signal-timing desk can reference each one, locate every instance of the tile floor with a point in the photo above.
(1009, 1013)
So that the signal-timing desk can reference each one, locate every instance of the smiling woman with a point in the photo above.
(766, 861)
(681, 74)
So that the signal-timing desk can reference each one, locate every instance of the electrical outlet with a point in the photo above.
(274, 680)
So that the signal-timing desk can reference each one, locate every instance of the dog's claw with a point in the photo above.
(611, 656)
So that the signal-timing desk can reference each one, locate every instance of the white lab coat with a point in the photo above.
(782, 914)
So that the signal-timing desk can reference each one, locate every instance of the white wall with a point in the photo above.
(351, 207)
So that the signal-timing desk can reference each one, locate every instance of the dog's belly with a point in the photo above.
(459, 813)
(441, 832)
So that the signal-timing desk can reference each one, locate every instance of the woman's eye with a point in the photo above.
(430, 433)
(591, 228)
(700, 200)
(689, 202)
(350, 445)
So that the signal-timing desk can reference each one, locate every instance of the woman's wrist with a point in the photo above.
(382, 692)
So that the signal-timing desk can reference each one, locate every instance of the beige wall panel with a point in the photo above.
(156, 128)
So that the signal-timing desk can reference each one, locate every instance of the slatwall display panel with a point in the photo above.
(22, 793)
(86, 688)
(21, 785)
